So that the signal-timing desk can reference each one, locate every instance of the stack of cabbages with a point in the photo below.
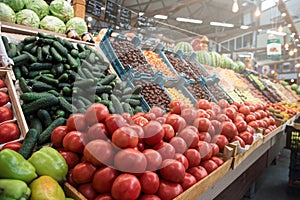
(57, 17)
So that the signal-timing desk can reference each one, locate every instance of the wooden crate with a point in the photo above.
(70, 191)
(16, 107)
(200, 187)
(239, 158)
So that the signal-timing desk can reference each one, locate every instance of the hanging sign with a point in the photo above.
(273, 48)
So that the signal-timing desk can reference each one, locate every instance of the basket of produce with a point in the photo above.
(293, 135)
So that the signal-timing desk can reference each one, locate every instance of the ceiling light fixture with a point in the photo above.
(276, 33)
(195, 21)
(141, 13)
(221, 24)
(257, 12)
(283, 14)
(235, 6)
(161, 16)
(289, 25)
(244, 27)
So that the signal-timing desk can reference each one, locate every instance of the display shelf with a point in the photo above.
(70, 191)
(16, 106)
(200, 187)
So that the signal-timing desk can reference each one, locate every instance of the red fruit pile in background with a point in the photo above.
(152, 155)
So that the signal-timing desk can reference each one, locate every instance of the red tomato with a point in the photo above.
(126, 187)
(150, 116)
(189, 115)
(253, 124)
(70, 178)
(149, 182)
(113, 122)
(149, 197)
(58, 135)
(71, 158)
(97, 131)
(249, 118)
(165, 149)
(103, 179)
(223, 103)
(96, 113)
(244, 110)
(9, 131)
(140, 121)
(130, 161)
(4, 98)
(127, 118)
(217, 126)
(217, 160)
(215, 149)
(190, 137)
(172, 170)
(161, 120)
(209, 166)
(5, 114)
(87, 191)
(105, 196)
(125, 137)
(247, 137)
(229, 130)
(211, 113)
(12, 145)
(99, 152)
(203, 104)
(2, 84)
(230, 112)
(193, 157)
(250, 129)
(222, 117)
(181, 158)
(139, 131)
(198, 172)
(221, 141)
(241, 126)
(83, 172)
(175, 107)
(177, 122)
(77, 122)
(262, 113)
(240, 140)
(74, 141)
(154, 159)
(257, 115)
(157, 111)
(202, 124)
(204, 136)
(267, 131)
(200, 113)
(272, 120)
(169, 132)
(205, 150)
(153, 133)
(188, 181)
(179, 144)
(168, 190)
(238, 118)
(252, 108)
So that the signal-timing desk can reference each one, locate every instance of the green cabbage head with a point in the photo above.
(16, 5)
(40, 7)
(28, 18)
(62, 10)
(26, 2)
(54, 24)
(7, 14)
(78, 24)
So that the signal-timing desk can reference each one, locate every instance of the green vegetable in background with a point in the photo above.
(52, 23)
(16, 5)
(28, 18)
(7, 14)
(14, 189)
(48, 161)
(62, 10)
(26, 2)
(14, 166)
(40, 7)
(78, 24)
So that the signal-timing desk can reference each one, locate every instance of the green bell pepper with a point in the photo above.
(11, 189)
(47, 161)
(14, 166)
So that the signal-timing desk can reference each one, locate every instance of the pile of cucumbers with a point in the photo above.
(58, 78)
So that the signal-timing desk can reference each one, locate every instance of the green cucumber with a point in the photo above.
(60, 48)
(86, 64)
(92, 58)
(35, 123)
(80, 47)
(29, 46)
(138, 109)
(108, 79)
(45, 102)
(23, 85)
(46, 134)
(54, 92)
(46, 50)
(65, 105)
(33, 51)
(41, 87)
(137, 89)
(84, 83)
(105, 96)
(68, 44)
(45, 117)
(48, 80)
(21, 59)
(97, 99)
(72, 62)
(63, 77)
(32, 58)
(103, 89)
(28, 143)
(117, 104)
(105, 102)
(17, 72)
(24, 70)
(32, 96)
(33, 74)
(127, 90)
(127, 108)
(44, 35)
(5, 42)
(133, 102)
(55, 54)
(40, 54)
(67, 91)
(74, 53)
(29, 39)
(87, 73)
(12, 52)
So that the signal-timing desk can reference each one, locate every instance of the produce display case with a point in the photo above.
(18, 116)
(117, 62)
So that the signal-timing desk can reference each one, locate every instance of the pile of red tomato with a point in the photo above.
(9, 130)
(152, 155)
